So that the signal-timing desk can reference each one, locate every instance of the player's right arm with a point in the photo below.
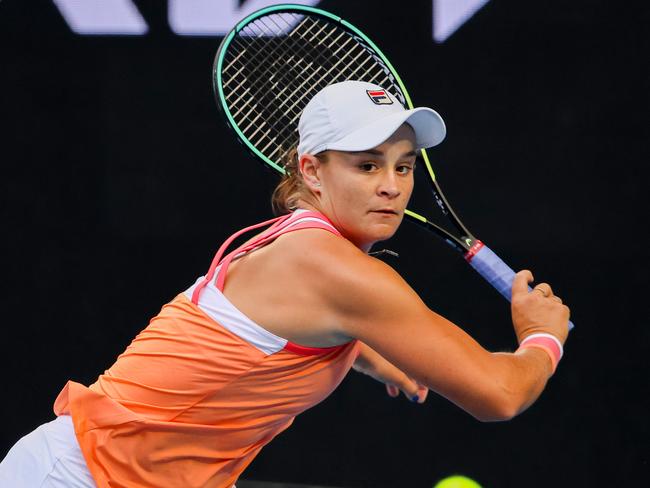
(372, 303)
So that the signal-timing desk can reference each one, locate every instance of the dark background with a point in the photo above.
(119, 180)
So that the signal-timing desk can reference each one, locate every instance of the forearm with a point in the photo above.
(370, 362)
(504, 386)
(374, 365)
(362, 362)
(531, 368)
(516, 381)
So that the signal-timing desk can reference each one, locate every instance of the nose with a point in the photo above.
(388, 186)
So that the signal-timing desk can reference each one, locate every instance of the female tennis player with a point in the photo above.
(276, 324)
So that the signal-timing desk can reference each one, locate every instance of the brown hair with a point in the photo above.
(291, 187)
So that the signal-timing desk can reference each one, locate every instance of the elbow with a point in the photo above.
(496, 415)
(498, 406)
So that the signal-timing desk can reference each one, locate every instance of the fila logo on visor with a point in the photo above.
(380, 97)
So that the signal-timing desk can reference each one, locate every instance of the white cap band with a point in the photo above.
(356, 116)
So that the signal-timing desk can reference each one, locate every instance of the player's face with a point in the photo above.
(365, 193)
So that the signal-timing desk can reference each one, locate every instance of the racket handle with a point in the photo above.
(494, 270)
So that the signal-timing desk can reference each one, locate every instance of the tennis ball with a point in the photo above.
(457, 481)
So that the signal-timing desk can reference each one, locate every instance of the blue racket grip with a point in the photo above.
(494, 270)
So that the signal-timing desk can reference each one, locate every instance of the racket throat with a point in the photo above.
(474, 247)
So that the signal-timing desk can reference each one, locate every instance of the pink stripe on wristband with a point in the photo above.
(546, 342)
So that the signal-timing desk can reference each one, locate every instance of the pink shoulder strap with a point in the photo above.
(280, 225)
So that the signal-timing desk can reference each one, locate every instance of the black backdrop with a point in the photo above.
(119, 180)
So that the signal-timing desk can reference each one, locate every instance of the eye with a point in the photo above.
(404, 169)
(368, 166)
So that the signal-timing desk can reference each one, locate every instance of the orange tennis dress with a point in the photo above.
(202, 389)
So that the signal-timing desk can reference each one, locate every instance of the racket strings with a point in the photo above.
(294, 60)
(248, 31)
(269, 74)
(276, 68)
(319, 55)
(300, 58)
(315, 55)
(261, 55)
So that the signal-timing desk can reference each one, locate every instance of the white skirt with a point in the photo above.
(48, 457)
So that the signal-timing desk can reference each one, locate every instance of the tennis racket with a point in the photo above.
(276, 59)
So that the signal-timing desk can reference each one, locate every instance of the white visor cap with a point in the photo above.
(357, 116)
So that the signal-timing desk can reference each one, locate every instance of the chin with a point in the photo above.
(365, 234)
(384, 232)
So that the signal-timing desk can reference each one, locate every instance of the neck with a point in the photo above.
(315, 207)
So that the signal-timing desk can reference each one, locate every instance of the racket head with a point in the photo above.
(276, 59)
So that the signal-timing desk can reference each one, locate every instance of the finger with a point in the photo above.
(541, 291)
(520, 283)
(392, 390)
(556, 298)
(545, 289)
(423, 391)
(413, 397)
(413, 391)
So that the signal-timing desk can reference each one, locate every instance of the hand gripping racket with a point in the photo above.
(275, 60)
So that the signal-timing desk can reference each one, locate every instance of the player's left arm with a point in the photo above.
(374, 365)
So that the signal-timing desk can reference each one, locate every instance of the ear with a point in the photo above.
(309, 166)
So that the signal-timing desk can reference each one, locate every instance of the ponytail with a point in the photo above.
(291, 187)
(288, 191)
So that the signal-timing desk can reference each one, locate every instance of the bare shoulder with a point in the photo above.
(315, 277)
(335, 260)
(354, 286)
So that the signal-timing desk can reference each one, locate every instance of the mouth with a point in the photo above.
(385, 211)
